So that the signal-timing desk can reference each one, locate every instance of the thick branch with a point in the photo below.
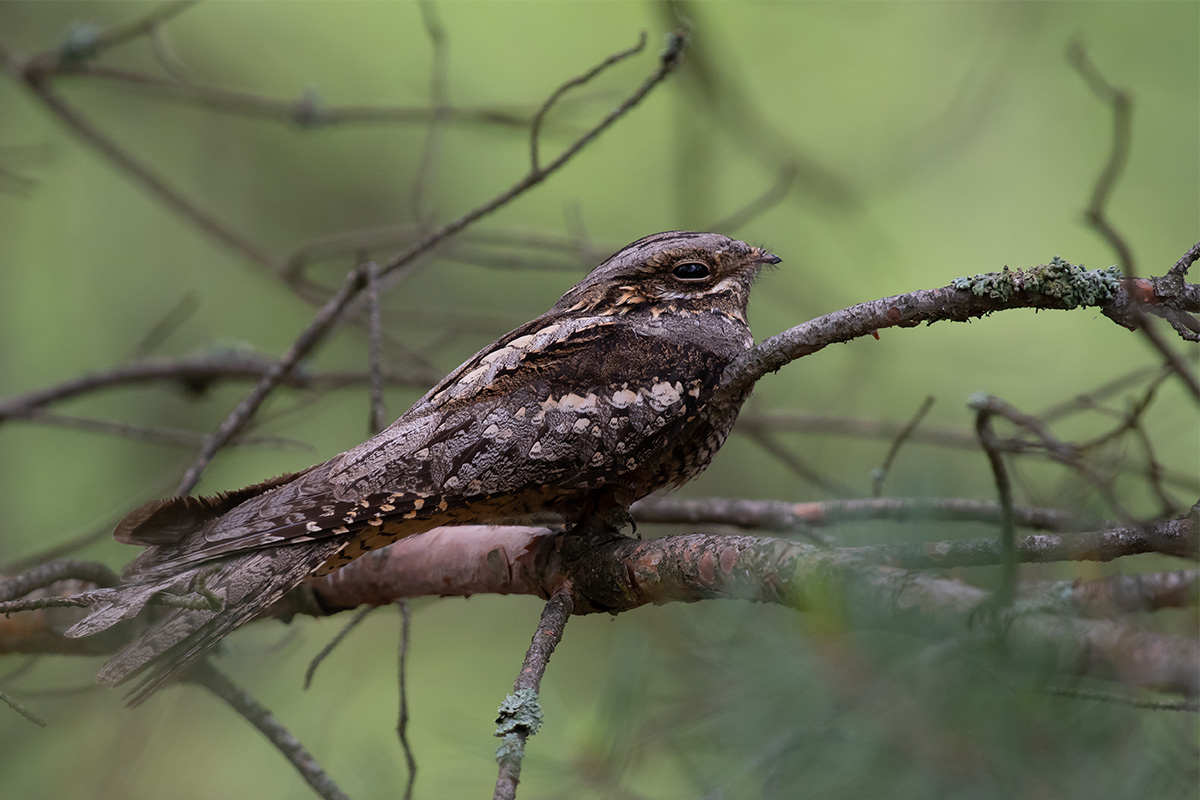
(622, 575)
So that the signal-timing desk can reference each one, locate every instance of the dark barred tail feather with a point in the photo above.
(244, 587)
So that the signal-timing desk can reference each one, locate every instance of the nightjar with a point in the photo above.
(598, 402)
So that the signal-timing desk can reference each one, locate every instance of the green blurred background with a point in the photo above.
(927, 141)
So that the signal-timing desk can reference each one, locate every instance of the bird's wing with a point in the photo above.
(547, 410)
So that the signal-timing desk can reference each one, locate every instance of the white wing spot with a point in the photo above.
(663, 394)
(624, 398)
(573, 402)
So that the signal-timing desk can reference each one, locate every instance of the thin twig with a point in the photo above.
(402, 679)
(779, 515)
(149, 180)
(305, 112)
(987, 438)
(439, 100)
(149, 22)
(378, 413)
(520, 716)
(1175, 537)
(1122, 109)
(46, 574)
(333, 643)
(195, 375)
(260, 717)
(535, 127)
(775, 194)
(1180, 270)
(56, 551)
(668, 61)
(1126, 700)
(21, 709)
(240, 416)
(1090, 400)
(1067, 454)
(141, 433)
(166, 325)
(880, 473)
(1121, 103)
(793, 462)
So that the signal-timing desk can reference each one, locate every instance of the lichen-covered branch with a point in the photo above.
(1057, 285)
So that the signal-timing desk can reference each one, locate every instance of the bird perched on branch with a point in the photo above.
(600, 401)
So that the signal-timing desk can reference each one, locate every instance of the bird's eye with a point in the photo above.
(691, 271)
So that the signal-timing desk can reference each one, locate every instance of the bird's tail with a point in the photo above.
(220, 597)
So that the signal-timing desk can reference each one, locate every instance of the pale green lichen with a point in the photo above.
(518, 714)
(1070, 284)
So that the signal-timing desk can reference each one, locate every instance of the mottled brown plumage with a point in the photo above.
(596, 403)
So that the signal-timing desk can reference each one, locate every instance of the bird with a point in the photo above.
(581, 411)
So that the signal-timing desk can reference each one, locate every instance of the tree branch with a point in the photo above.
(520, 715)
(260, 717)
(1057, 285)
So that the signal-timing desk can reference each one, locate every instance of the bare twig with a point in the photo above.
(768, 442)
(195, 375)
(775, 194)
(1174, 537)
(1008, 551)
(21, 709)
(378, 414)
(402, 681)
(39, 83)
(879, 475)
(46, 574)
(166, 325)
(1121, 103)
(520, 716)
(142, 433)
(56, 551)
(92, 46)
(1067, 454)
(1180, 270)
(1127, 700)
(669, 59)
(305, 111)
(240, 416)
(1090, 400)
(535, 127)
(781, 516)
(332, 644)
(439, 101)
(260, 717)
(1122, 107)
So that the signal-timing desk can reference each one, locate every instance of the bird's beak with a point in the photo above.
(767, 258)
